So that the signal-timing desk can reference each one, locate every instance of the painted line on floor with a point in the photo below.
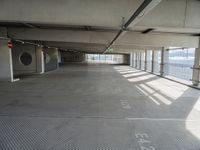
(99, 117)
(164, 119)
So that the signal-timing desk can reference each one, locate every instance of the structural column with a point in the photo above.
(196, 68)
(145, 60)
(6, 66)
(136, 61)
(164, 60)
(131, 59)
(155, 63)
(57, 54)
(40, 60)
(140, 60)
(152, 61)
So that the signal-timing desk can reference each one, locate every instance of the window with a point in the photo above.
(180, 63)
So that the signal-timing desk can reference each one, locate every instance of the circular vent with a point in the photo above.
(26, 58)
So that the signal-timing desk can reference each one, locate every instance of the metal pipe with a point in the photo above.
(131, 19)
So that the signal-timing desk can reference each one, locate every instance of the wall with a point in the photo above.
(59, 57)
(126, 59)
(18, 67)
(5, 62)
(39, 60)
(122, 59)
(72, 57)
(50, 59)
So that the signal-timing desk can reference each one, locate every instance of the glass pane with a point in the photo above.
(180, 63)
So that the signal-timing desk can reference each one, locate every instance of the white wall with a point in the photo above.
(39, 60)
(50, 59)
(5, 62)
(18, 67)
(72, 57)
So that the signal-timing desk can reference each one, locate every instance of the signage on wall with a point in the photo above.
(10, 45)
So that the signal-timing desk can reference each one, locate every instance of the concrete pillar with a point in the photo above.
(59, 57)
(155, 62)
(164, 61)
(145, 60)
(140, 58)
(99, 56)
(57, 54)
(136, 61)
(137, 64)
(6, 66)
(196, 68)
(131, 59)
(149, 57)
(152, 61)
(39, 60)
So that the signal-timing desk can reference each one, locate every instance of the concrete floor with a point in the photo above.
(98, 107)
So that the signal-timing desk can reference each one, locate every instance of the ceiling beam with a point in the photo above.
(142, 10)
(93, 37)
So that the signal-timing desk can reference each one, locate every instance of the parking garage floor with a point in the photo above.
(98, 107)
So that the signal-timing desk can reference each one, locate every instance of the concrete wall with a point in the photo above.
(43, 60)
(50, 59)
(126, 59)
(59, 56)
(72, 57)
(18, 67)
(122, 59)
(5, 62)
(39, 60)
(131, 59)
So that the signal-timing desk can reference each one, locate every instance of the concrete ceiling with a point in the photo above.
(90, 25)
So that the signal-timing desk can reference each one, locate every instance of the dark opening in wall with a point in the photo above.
(26, 58)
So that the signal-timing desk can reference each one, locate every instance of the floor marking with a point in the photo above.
(15, 79)
(97, 117)
(143, 141)
(164, 119)
(125, 104)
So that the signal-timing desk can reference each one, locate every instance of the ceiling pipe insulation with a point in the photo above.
(39, 45)
(142, 10)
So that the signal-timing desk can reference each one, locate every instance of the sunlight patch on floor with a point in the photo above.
(191, 127)
(169, 88)
(147, 94)
(137, 79)
(156, 94)
(134, 74)
(130, 71)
